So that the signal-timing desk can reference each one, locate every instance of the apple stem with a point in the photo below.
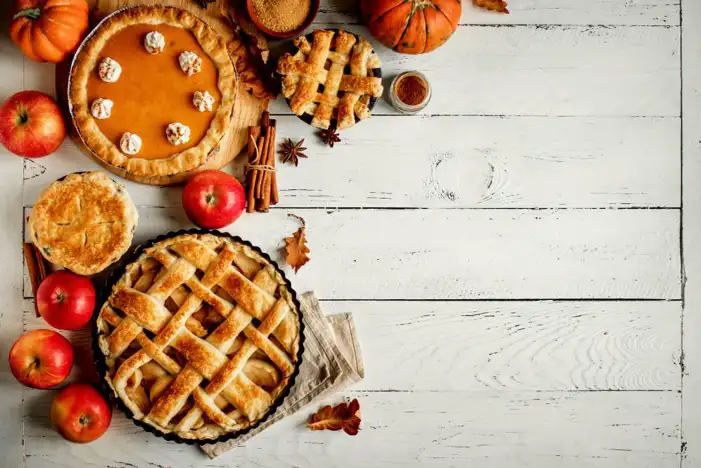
(31, 13)
(32, 367)
(84, 420)
(211, 199)
(22, 117)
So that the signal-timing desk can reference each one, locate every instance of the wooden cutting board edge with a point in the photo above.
(247, 109)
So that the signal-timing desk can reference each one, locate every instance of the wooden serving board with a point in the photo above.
(247, 110)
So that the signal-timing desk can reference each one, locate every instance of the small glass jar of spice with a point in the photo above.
(410, 92)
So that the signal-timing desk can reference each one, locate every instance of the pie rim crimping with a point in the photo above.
(375, 72)
(85, 62)
(101, 359)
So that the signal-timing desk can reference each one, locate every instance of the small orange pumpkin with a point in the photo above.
(49, 30)
(412, 26)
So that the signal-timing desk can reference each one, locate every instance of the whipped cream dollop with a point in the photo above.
(130, 143)
(203, 101)
(154, 42)
(190, 63)
(101, 108)
(109, 70)
(177, 133)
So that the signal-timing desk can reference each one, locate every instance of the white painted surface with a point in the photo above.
(512, 256)
(691, 370)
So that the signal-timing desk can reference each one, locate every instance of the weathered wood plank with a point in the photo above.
(498, 345)
(530, 70)
(459, 346)
(461, 162)
(486, 429)
(12, 431)
(691, 329)
(602, 12)
(570, 70)
(468, 254)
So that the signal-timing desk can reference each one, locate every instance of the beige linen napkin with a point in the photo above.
(331, 361)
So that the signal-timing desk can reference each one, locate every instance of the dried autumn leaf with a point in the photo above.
(344, 416)
(296, 247)
(493, 5)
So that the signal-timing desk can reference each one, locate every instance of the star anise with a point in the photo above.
(291, 152)
(330, 136)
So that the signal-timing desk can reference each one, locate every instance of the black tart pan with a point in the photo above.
(101, 366)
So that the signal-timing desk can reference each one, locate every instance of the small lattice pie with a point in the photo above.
(83, 222)
(331, 78)
(201, 336)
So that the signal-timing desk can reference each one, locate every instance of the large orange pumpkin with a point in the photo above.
(412, 26)
(49, 30)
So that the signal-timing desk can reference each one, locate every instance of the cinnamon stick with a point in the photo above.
(269, 161)
(253, 159)
(262, 188)
(43, 267)
(263, 161)
(36, 267)
(275, 197)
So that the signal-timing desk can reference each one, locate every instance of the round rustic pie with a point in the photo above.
(152, 91)
(200, 336)
(83, 222)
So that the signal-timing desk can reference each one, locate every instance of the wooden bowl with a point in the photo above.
(284, 35)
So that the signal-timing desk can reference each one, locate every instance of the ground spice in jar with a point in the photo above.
(282, 15)
(412, 90)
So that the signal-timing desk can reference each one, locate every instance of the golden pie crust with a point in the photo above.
(87, 61)
(200, 336)
(83, 222)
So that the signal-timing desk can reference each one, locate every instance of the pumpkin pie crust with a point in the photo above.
(84, 72)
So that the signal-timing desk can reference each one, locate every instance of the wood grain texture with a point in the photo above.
(11, 409)
(455, 429)
(514, 346)
(575, 12)
(459, 254)
(517, 346)
(556, 71)
(479, 162)
(691, 154)
(571, 107)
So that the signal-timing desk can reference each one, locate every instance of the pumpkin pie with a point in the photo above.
(152, 91)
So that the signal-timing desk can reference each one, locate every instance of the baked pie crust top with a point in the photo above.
(152, 90)
(201, 336)
(83, 222)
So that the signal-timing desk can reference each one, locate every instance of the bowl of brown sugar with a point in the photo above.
(282, 18)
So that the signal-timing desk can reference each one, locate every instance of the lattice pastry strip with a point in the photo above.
(172, 384)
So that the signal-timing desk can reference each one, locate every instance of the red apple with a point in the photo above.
(41, 359)
(213, 199)
(31, 124)
(66, 300)
(80, 413)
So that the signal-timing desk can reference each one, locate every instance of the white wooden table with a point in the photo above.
(523, 260)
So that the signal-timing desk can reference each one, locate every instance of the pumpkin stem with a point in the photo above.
(31, 13)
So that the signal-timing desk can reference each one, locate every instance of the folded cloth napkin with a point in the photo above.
(331, 362)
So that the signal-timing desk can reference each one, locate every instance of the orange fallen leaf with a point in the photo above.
(493, 5)
(344, 416)
(296, 248)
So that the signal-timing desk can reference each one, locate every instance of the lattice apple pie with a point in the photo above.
(201, 336)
